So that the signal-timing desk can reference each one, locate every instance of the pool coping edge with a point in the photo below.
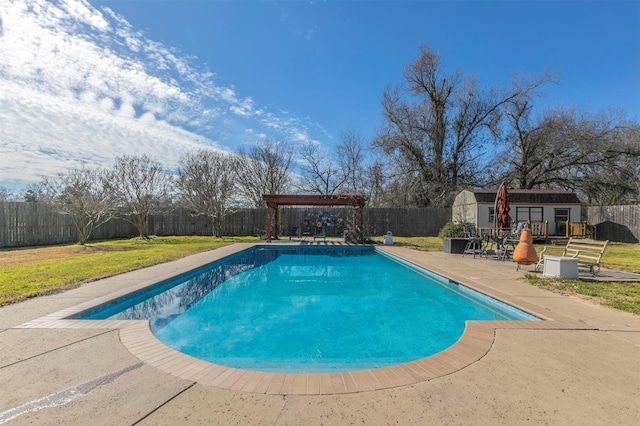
(474, 344)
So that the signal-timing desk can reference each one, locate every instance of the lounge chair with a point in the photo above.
(588, 252)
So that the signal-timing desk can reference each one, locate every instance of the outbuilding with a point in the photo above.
(546, 211)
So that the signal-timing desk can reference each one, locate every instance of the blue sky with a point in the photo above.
(82, 82)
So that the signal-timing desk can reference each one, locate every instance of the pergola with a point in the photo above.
(274, 201)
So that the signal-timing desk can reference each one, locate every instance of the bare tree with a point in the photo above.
(264, 168)
(141, 187)
(318, 173)
(376, 181)
(595, 155)
(82, 194)
(6, 194)
(352, 158)
(207, 185)
(436, 125)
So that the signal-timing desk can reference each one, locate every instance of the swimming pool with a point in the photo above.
(314, 309)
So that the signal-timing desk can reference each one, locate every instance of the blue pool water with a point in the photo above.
(315, 309)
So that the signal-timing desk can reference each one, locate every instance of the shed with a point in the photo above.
(551, 207)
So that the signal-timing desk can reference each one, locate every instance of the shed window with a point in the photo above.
(492, 213)
(524, 214)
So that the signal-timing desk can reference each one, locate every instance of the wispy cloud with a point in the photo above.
(81, 86)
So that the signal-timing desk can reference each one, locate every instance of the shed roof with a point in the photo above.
(528, 196)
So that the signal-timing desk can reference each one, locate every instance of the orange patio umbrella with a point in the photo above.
(503, 220)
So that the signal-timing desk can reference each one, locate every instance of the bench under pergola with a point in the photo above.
(274, 201)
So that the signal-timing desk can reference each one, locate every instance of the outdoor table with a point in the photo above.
(503, 246)
(508, 247)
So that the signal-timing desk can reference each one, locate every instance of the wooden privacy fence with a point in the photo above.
(614, 223)
(182, 222)
(408, 222)
(31, 224)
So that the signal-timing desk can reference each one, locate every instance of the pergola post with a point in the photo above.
(268, 229)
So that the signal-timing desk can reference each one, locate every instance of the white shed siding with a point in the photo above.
(548, 214)
(465, 208)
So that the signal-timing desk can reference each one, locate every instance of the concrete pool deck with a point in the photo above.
(581, 367)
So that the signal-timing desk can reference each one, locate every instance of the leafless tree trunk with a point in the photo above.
(352, 158)
(376, 181)
(264, 168)
(318, 173)
(142, 188)
(207, 185)
(83, 194)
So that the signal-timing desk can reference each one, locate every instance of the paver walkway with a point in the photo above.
(528, 376)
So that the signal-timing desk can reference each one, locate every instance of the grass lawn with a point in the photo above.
(417, 243)
(37, 271)
(623, 296)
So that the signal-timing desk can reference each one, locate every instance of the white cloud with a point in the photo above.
(81, 86)
(84, 13)
(45, 135)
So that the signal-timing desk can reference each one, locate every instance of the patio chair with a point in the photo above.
(516, 229)
(508, 242)
(475, 243)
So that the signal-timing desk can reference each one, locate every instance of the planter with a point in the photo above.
(455, 244)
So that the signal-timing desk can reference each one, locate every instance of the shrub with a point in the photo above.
(356, 236)
(451, 229)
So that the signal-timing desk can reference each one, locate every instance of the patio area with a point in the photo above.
(584, 368)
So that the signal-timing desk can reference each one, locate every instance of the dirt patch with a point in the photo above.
(20, 256)
(26, 255)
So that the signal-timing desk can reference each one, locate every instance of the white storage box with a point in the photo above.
(557, 266)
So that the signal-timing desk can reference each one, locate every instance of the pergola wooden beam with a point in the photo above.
(274, 201)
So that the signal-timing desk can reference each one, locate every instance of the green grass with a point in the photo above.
(26, 273)
(417, 243)
(623, 296)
